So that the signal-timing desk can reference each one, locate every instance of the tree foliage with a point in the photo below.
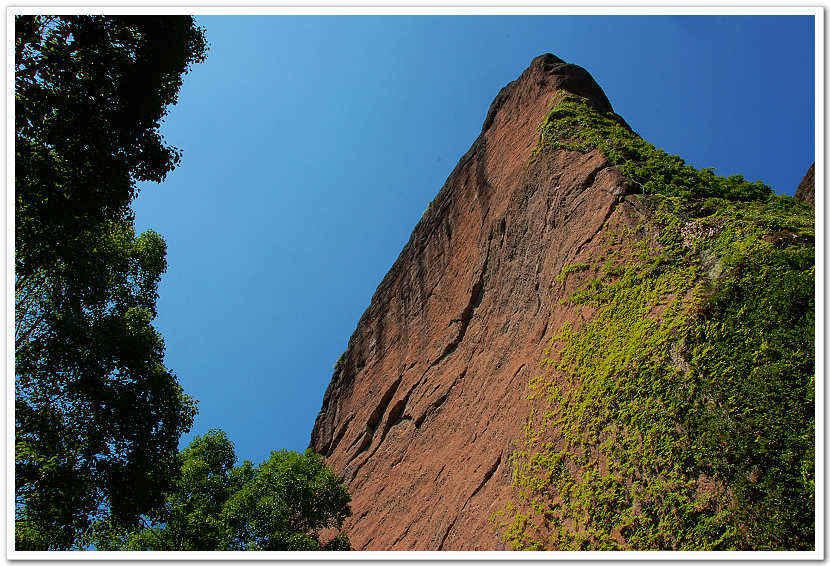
(90, 95)
(281, 504)
(97, 414)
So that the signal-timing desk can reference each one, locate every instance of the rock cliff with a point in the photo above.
(432, 416)
(806, 191)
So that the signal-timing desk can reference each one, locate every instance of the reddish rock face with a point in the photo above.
(806, 191)
(425, 404)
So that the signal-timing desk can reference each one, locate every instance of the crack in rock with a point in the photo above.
(490, 472)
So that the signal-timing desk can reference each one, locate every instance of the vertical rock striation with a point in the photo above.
(585, 344)
(424, 405)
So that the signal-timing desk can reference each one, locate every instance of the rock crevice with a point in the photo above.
(460, 321)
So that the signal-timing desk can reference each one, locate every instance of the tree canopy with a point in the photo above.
(281, 504)
(97, 414)
(90, 95)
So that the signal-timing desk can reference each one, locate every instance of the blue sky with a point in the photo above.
(312, 145)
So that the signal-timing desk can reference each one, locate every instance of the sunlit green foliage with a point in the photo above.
(680, 416)
(280, 504)
(574, 124)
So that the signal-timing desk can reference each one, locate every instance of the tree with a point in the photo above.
(280, 504)
(283, 503)
(90, 95)
(97, 414)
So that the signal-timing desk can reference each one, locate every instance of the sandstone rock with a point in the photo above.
(424, 406)
(806, 191)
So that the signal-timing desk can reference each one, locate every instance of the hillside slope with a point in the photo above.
(584, 344)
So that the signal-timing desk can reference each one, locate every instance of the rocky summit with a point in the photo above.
(585, 344)
(806, 190)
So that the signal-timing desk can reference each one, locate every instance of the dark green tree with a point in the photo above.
(280, 504)
(90, 95)
(97, 414)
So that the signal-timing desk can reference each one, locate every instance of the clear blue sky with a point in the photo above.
(312, 145)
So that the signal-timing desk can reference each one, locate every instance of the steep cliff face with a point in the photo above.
(806, 190)
(426, 401)
(428, 416)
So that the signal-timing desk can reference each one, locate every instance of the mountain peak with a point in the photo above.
(548, 73)
(537, 357)
(429, 392)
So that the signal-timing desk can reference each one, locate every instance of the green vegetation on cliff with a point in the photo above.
(681, 414)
